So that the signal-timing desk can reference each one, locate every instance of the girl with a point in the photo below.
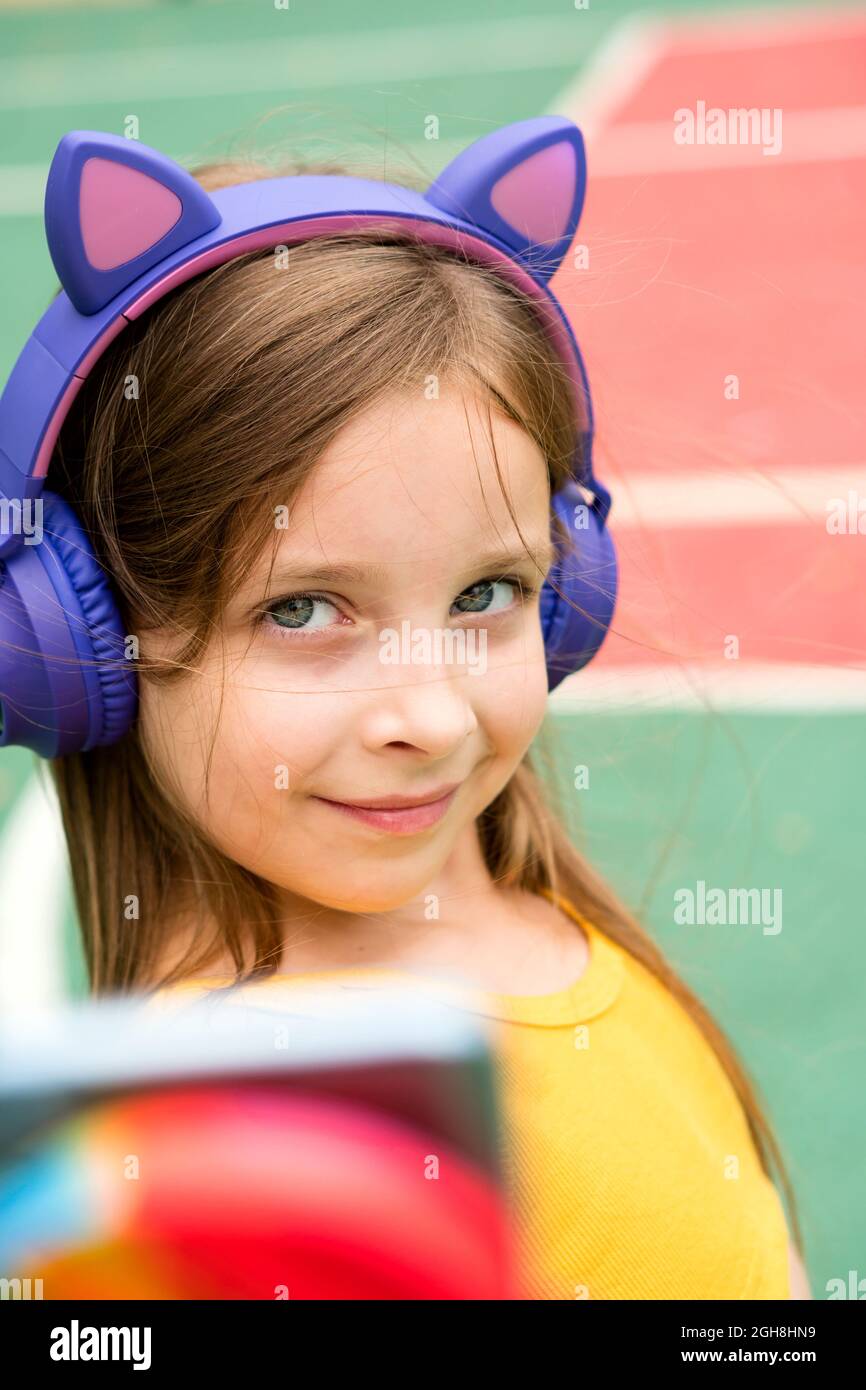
(311, 457)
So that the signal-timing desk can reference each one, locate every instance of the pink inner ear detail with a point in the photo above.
(123, 212)
(536, 196)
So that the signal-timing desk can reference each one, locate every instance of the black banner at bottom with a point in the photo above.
(63, 1338)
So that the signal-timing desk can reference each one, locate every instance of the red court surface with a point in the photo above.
(708, 262)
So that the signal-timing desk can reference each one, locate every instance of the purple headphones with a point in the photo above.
(125, 225)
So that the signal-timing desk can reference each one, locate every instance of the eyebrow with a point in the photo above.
(372, 574)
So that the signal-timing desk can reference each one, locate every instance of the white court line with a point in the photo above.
(648, 147)
(613, 71)
(623, 60)
(789, 497)
(22, 189)
(755, 688)
(36, 884)
(286, 64)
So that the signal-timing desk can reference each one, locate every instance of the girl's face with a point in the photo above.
(389, 551)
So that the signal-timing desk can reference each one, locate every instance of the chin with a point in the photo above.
(372, 898)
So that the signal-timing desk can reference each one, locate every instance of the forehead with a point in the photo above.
(414, 475)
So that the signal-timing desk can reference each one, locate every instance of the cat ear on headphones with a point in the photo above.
(113, 209)
(525, 183)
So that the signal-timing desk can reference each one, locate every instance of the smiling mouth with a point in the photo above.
(399, 802)
(398, 819)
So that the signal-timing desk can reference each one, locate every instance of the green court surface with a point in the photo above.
(735, 797)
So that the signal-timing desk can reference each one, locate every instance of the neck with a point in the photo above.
(441, 920)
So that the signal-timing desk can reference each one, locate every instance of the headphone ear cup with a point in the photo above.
(64, 682)
(579, 596)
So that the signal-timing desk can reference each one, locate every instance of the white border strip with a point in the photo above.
(756, 688)
(816, 136)
(35, 885)
(788, 497)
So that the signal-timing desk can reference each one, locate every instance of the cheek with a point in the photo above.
(265, 745)
(171, 725)
(513, 698)
(227, 751)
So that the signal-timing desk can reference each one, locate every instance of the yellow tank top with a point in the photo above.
(630, 1168)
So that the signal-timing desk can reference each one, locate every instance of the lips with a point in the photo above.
(397, 803)
(395, 819)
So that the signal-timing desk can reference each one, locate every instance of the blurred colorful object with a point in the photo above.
(250, 1192)
(347, 1148)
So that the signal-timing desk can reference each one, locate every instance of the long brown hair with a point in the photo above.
(244, 376)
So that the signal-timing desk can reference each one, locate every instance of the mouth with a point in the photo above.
(401, 815)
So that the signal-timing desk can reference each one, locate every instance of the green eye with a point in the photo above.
(480, 597)
(297, 609)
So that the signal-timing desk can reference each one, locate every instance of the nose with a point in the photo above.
(429, 708)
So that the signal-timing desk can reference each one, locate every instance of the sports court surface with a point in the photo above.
(705, 264)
